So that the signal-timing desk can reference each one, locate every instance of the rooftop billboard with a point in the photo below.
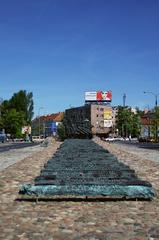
(98, 96)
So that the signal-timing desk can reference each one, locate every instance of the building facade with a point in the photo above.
(147, 126)
(45, 126)
(89, 120)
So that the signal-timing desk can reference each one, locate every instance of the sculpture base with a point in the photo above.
(115, 191)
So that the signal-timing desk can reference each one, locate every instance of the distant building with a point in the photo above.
(46, 125)
(147, 125)
(88, 120)
(134, 110)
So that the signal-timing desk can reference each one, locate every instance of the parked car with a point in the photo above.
(109, 139)
(3, 137)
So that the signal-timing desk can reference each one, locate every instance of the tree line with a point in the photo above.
(16, 113)
(128, 123)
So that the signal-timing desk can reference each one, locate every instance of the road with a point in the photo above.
(148, 151)
(152, 146)
(13, 152)
(15, 145)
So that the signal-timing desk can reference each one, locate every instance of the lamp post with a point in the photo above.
(156, 127)
(39, 119)
(87, 125)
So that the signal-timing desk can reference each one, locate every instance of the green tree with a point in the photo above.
(13, 122)
(23, 102)
(61, 131)
(136, 125)
(4, 110)
(17, 112)
(127, 122)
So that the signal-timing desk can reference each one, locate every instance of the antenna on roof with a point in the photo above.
(124, 99)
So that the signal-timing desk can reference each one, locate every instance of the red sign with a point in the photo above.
(104, 96)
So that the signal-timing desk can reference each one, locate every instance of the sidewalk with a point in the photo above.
(112, 220)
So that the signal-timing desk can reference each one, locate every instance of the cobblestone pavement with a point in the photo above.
(135, 220)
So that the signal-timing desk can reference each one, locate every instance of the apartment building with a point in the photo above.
(88, 120)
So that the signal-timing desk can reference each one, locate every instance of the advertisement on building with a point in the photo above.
(26, 130)
(108, 114)
(108, 123)
(98, 96)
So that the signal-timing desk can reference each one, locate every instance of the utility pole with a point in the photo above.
(39, 120)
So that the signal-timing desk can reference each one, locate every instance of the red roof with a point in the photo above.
(56, 117)
(146, 121)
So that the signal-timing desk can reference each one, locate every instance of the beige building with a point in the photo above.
(88, 120)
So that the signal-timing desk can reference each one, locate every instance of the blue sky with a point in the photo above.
(58, 49)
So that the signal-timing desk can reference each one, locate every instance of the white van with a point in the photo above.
(37, 139)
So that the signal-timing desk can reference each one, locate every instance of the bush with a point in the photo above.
(61, 131)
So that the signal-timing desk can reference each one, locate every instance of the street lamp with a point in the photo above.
(39, 119)
(87, 125)
(156, 127)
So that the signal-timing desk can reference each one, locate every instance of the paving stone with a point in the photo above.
(74, 215)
